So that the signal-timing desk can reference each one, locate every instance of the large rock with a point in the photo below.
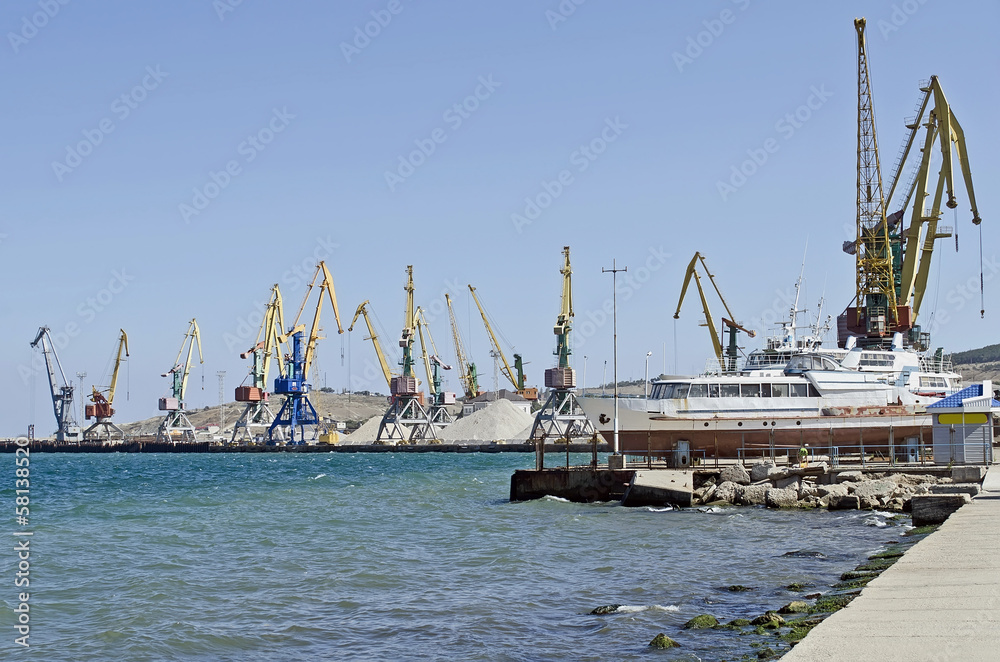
(709, 494)
(760, 470)
(873, 489)
(788, 482)
(662, 641)
(775, 474)
(728, 491)
(846, 502)
(775, 498)
(795, 607)
(935, 508)
(753, 495)
(807, 490)
(735, 473)
(831, 490)
(701, 622)
(911, 479)
(849, 476)
(972, 489)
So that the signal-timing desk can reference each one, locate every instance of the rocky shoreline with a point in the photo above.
(769, 629)
(819, 486)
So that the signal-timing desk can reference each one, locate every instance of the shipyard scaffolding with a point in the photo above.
(406, 420)
(561, 418)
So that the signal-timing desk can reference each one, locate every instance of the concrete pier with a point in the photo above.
(940, 601)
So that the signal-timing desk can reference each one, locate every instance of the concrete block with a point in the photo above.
(616, 462)
(968, 474)
(849, 476)
(659, 487)
(935, 508)
(972, 489)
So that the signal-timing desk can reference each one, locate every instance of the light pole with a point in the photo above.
(83, 399)
(645, 384)
(604, 380)
(614, 307)
(585, 375)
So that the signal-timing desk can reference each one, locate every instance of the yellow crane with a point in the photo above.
(466, 370)
(517, 381)
(561, 417)
(175, 425)
(728, 361)
(297, 411)
(362, 311)
(940, 126)
(102, 409)
(406, 420)
(257, 415)
(433, 364)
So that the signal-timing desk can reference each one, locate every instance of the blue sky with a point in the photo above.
(164, 161)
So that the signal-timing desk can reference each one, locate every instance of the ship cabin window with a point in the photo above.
(876, 360)
(805, 362)
(798, 390)
(668, 391)
(779, 390)
(934, 382)
(698, 391)
(713, 390)
(750, 390)
(729, 390)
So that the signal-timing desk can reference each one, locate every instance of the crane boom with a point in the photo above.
(325, 287)
(180, 371)
(564, 322)
(941, 126)
(466, 370)
(122, 345)
(516, 382)
(421, 325)
(362, 311)
(731, 355)
(61, 390)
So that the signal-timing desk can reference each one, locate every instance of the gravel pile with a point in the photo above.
(366, 433)
(499, 420)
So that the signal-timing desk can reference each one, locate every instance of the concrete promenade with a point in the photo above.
(940, 601)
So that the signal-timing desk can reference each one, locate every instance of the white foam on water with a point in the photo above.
(658, 510)
(875, 521)
(317, 477)
(549, 497)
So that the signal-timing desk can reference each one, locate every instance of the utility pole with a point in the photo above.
(222, 400)
(584, 374)
(645, 383)
(614, 306)
(83, 398)
(604, 379)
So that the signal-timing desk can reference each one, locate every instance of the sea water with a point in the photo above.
(390, 557)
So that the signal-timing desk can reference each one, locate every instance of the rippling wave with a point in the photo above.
(390, 557)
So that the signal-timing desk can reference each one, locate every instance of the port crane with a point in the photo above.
(433, 365)
(891, 275)
(466, 370)
(62, 391)
(297, 411)
(561, 417)
(406, 420)
(517, 381)
(727, 360)
(257, 415)
(363, 311)
(176, 426)
(941, 126)
(102, 409)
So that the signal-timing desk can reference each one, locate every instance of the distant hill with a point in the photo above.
(988, 354)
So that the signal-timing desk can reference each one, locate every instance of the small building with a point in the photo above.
(484, 399)
(963, 425)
